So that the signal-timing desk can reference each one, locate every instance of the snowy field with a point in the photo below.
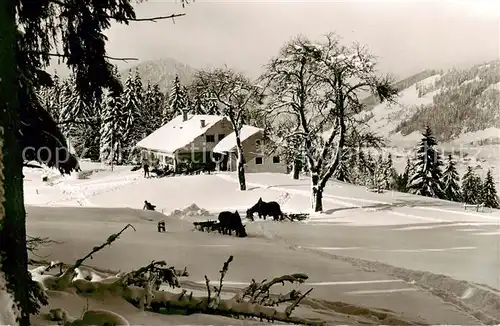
(343, 203)
(83, 210)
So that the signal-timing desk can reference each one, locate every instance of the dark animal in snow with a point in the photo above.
(230, 221)
(161, 226)
(265, 209)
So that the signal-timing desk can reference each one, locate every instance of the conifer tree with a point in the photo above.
(471, 187)
(402, 179)
(93, 133)
(79, 120)
(343, 173)
(427, 178)
(379, 173)
(131, 104)
(167, 114)
(177, 98)
(196, 104)
(154, 107)
(67, 112)
(74, 108)
(140, 93)
(390, 173)
(113, 123)
(359, 167)
(369, 169)
(451, 181)
(489, 193)
(411, 166)
(352, 165)
(50, 97)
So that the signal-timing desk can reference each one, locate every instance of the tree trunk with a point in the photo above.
(317, 193)
(296, 169)
(241, 171)
(7, 315)
(176, 163)
(13, 227)
(241, 165)
(112, 154)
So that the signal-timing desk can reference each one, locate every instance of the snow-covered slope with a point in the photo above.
(461, 105)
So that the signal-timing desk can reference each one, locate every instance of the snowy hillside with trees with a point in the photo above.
(459, 104)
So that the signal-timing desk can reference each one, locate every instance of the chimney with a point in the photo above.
(184, 115)
(202, 123)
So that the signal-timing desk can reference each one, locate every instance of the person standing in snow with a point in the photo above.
(146, 169)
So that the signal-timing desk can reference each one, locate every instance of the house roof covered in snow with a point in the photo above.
(228, 143)
(177, 133)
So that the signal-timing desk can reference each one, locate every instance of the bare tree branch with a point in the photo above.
(107, 57)
(149, 19)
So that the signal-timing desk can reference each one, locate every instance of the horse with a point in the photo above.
(230, 221)
(265, 209)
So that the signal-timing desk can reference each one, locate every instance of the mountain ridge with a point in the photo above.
(459, 104)
(162, 72)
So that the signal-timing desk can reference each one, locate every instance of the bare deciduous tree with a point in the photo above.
(291, 84)
(235, 94)
(318, 84)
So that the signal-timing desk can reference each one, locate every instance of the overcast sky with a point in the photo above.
(407, 36)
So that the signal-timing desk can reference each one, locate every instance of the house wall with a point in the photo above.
(200, 144)
(153, 156)
(267, 166)
(252, 150)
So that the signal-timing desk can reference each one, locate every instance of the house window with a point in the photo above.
(210, 138)
(257, 142)
(276, 159)
(221, 136)
(258, 160)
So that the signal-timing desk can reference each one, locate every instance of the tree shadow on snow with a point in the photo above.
(382, 206)
(333, 210)
(407, 203)
(291, 185)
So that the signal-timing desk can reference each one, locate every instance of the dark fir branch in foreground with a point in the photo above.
(30, 31)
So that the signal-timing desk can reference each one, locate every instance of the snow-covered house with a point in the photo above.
(187, 137)
(253, 143)
(196, 137)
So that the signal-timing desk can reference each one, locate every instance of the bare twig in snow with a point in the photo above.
(290, 308)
